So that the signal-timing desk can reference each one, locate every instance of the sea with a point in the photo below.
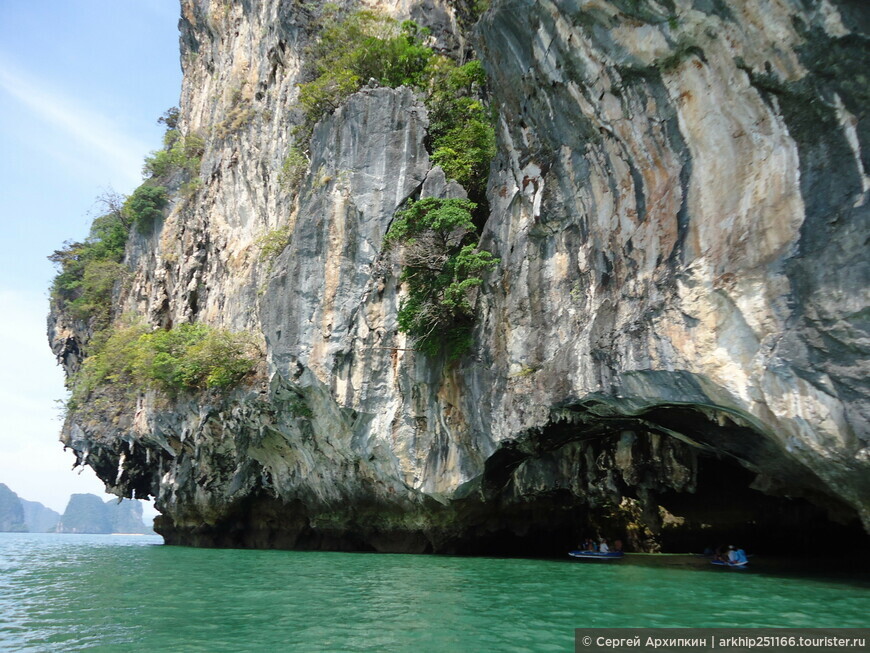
(131, 593)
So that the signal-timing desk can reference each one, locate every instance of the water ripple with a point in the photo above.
(64, 592)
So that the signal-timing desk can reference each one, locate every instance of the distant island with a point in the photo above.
(85, 513)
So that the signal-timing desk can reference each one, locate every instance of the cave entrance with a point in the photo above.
(724, 509)
(637, 478)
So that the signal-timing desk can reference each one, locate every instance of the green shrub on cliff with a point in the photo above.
(366, 45)
(89, 270)
(98, 283)
(354, 49)
(272, 243)
(179, 153)
(478, 7)
(112, 358)
(185, 358)
(293, 169)
(194, 356)
(442, 267)
(461, 134)
(145, 206)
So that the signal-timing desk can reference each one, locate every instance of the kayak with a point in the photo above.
(596, 555)
(735, 565)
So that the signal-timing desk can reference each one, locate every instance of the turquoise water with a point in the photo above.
(123, 593)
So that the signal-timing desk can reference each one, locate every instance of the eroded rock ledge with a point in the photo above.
(673, 349)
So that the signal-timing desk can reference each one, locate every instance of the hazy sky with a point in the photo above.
(82, 83)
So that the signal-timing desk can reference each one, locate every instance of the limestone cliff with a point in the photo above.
(39, 518)
(11, 512)
(673, 347)
(87, 513)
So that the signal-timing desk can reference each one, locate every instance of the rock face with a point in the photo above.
(11, 512)
(126, 517)
(39, 518)
(86, 513)
(673, 348)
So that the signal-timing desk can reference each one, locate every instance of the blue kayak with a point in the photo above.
(596, 555)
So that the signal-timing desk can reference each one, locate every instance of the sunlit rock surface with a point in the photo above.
(672, 350)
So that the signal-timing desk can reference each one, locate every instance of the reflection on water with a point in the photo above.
(68, 592)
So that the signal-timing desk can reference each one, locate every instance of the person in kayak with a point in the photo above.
(603, 548)
(737, 556)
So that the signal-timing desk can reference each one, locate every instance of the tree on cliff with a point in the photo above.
(442, 266)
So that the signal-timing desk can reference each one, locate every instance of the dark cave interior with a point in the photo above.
(720, 507)
(724, 510)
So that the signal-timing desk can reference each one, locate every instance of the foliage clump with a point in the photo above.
(273, 242)
(366, 45)
(479, 7)
(442, 266)
(186, 358)
(190, 188)
(178, 153)
(89, 269)
(238, 113)
(461, 133)
(145, 206)
(354, 49)
(293, 169)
